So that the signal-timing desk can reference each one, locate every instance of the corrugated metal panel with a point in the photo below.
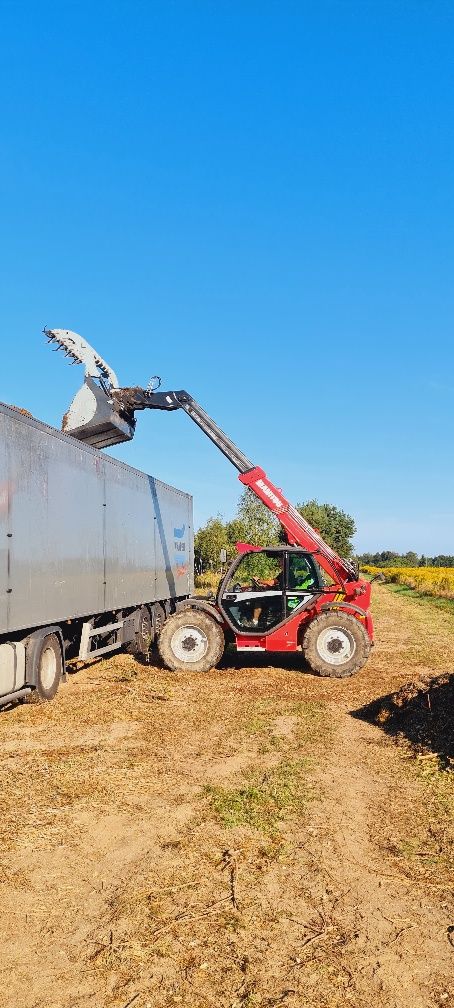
(4, 527)
(57, 494)
(84, 529)
(130, 558)
(173, 540)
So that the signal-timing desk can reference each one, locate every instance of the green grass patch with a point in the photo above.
(411, 849)
(434, 601)
(425, 835)
(439, 778)
(309, 726)
(263, 800)
(311, 716)
(257, 725)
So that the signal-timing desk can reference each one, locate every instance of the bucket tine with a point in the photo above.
(81, 352)
(92, 416)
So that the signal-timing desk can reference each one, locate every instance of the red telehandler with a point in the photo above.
(300, 596)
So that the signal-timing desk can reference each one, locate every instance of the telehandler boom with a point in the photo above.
(300, 596)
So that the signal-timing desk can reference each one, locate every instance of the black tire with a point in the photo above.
(338, 655)
(143, 637)
(48, 664)
(159, 616)
(194, 634)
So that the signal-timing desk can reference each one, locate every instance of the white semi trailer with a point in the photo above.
(94, 555)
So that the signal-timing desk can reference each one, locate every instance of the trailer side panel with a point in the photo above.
(79, 530)
(173, 542)
(56, 518)
(4, 530)
(129, 538)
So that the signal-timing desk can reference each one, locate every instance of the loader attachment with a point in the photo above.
(93, 416)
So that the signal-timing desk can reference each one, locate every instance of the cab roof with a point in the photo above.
(279, 548)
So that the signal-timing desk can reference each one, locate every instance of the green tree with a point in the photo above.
(259, 524)
(256, 525)
(334, 525)
(236, 532)
(208, 543)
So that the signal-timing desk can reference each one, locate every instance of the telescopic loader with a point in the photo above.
(300, 596)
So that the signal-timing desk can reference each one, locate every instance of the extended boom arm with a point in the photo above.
(297, 529)
(102, 414)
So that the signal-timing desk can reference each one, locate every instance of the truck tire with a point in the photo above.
(144, 634)
(335, 644)
(48, 665)
(191, 641)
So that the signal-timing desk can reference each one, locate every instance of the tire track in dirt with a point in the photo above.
(396, 941)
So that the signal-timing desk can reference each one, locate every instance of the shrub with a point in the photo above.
(208, 580)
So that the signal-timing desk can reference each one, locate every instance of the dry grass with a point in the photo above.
(229, 840)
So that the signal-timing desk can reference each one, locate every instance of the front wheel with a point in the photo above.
(335, 644)
(191, 640)
(49, 668)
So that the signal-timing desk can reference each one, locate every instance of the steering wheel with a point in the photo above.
(256, 584)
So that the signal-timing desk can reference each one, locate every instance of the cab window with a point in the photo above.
(302, 573)
(263, 568)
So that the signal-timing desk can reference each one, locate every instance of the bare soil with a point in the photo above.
(253, 837)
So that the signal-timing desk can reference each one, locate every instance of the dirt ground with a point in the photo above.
(254, 837)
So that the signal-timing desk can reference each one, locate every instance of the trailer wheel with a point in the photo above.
(144, 634)
(48, 665)
(191, 640)
(335, 644)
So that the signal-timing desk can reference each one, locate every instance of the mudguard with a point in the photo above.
(195, 603)
(31, 646)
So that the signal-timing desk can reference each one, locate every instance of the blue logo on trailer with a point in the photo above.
(180, 560)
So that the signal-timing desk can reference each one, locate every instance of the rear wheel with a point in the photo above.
(49, 667)
(144, 634)
(191, 640)
(335, 644)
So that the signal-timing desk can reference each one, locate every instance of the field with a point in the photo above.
(435, 581)
(255, 837)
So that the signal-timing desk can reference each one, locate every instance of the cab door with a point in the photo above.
(252, 598)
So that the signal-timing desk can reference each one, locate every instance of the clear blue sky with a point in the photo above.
(254, 200)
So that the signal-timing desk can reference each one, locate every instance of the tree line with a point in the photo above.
(254, 524)
(388, 558)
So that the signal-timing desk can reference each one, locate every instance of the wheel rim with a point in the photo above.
(48, 668)
(189, 644)
(336, 645)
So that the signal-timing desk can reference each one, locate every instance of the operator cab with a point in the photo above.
(264, 588)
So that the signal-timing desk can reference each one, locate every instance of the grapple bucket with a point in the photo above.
(93, 418)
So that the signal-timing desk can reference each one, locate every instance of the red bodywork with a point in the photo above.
(349, 593)
(287, 637)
